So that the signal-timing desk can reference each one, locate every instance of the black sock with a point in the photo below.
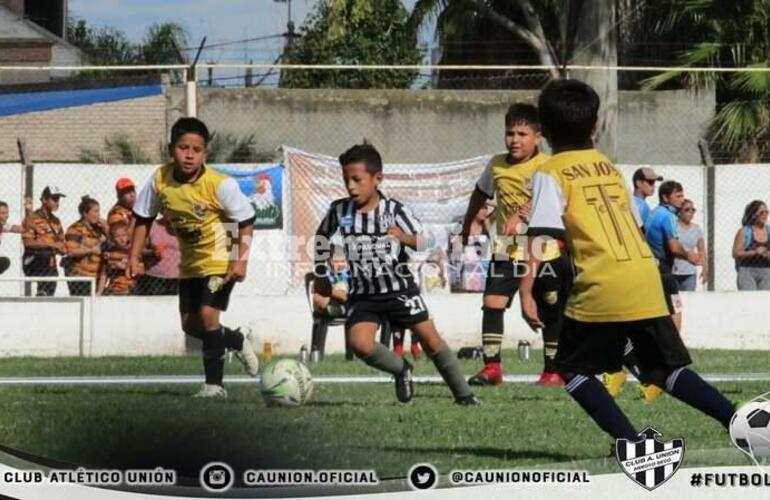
(232, 339)
(687, 386)
(214, 357)
(492, 334)
(597, 402)
(630, 361)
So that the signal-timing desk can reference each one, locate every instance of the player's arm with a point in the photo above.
(483, 191)
(102, 281)
(545, 222)
(703, 261)
(146, 209)
(32, 242)
(408, 229)
(322, 242)
(75, 248)
(238, 208)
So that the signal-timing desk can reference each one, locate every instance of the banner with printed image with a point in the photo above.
(264, 188)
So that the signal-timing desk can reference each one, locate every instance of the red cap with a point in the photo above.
(124, 183)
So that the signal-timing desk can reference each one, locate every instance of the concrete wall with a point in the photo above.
(59, 135)
(149, 326)
(416, 126)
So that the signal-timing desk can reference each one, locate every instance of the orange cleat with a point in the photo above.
(550, 378)
(491, 374)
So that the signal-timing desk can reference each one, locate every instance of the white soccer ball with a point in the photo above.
(286, 382)
(750, 427)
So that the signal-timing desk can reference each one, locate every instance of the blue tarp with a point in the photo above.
(27, 102)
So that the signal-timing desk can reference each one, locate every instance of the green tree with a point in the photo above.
(102, 46)
(728, 34)
(353, 32)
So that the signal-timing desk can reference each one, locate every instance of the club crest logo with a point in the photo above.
(387, 220)
(346, 221)
(199, 209)
(649, 462)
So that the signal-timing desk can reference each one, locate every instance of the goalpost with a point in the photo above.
(59, 325)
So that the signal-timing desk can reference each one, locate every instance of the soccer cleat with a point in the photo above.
(416, 351)
(649, 392)
(470, 400)
(405, 383)
(248, 356)
(211, 391)
(550, 378)
(398, 349)
(491, 374)
(614, 382)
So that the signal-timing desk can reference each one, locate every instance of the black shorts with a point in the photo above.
(552, 286)
(593, 348)
(504, 277)
(401, 310)
(196, 292)
(671, 291)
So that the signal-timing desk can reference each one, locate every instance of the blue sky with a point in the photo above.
(220, 20)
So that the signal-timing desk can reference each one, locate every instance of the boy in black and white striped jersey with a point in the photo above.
(376, 231)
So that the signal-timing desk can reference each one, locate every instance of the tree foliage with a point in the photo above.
(353, 32)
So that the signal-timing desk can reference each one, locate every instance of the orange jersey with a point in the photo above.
(114, 262)
(80, 236)
(45, 228)
(118, 213)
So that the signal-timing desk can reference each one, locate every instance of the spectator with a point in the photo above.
(84, 246)
(112, 277)
(162, 274)
(123, 210)
(691, 237)
(330, 296)
(750, 248)
(43, 239)
(470, 261)
(5, 262)
(644, 186)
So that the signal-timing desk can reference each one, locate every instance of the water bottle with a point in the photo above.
(523, 350)
(267, 351)
(303, 354)
(315, 356)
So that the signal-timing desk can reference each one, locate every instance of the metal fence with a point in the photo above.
(82, 136)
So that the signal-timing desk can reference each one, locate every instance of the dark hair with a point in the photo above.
(365, 153)
(189, 126)
(667, 188)
(523, 113)
(568, 112)
(86, 204)
(3, 204)
(751, 212)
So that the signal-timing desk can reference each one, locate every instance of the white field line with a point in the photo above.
(196, 379)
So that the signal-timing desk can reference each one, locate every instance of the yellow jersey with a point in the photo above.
(204, 213)
(510, 184)
(580, 194)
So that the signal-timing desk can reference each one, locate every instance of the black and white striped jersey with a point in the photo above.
(378, 262)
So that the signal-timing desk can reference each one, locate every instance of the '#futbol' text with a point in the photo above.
(730, 479)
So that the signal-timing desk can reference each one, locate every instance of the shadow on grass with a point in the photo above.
(487, 451)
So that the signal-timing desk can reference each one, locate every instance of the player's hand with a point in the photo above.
(524, 211)
(395, 232)
(236, 272)
(529, 312)
(133, 268)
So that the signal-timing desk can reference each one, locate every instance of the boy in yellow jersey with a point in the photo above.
(508, 176)
(200, 203)
(617, 294)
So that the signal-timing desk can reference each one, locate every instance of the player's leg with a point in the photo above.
(414, 346)
(362, 325)
(501, 285)
(551, 289)
(444, 360)
(663, 360)
(587, 349)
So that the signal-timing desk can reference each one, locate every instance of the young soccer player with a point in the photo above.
(376, 231)
(508, 176)
(199, 201)
(617, 294)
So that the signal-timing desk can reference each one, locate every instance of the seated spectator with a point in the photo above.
(43, 239)
(330, 295)
(112, 278)
(691, 237)
(5, 262)
(161, 275)
(84, 246)
(750, 245)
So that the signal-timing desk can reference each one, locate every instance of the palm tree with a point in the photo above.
(729, 34)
